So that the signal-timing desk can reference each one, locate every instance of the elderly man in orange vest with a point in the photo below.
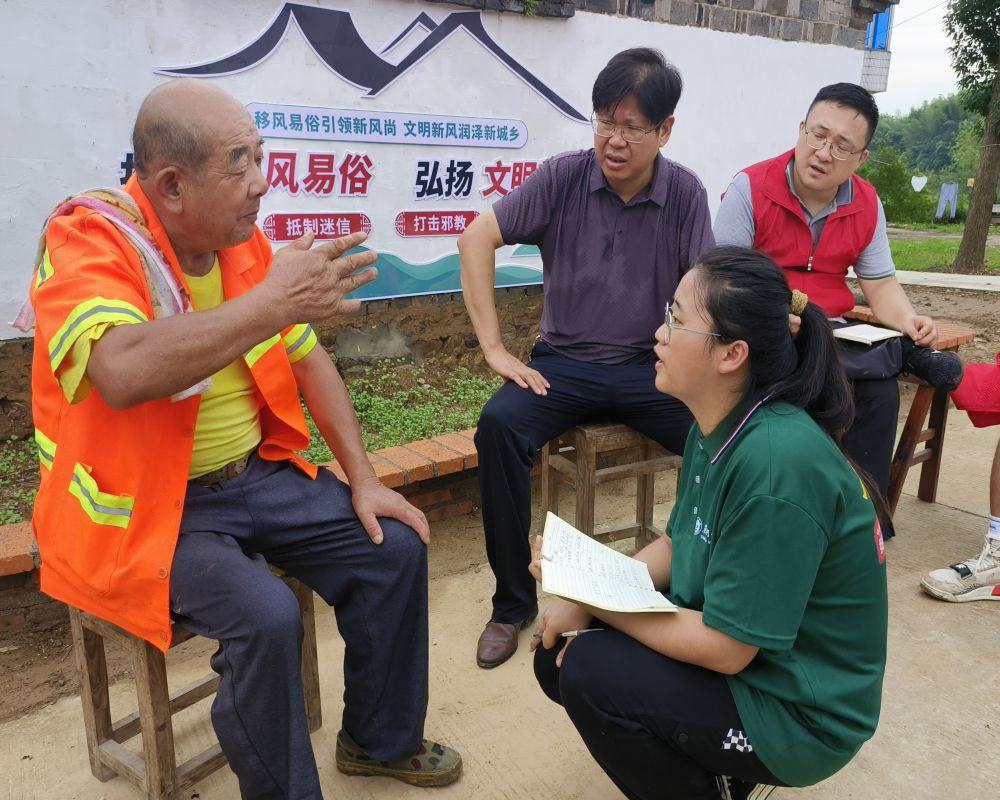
(170, 351)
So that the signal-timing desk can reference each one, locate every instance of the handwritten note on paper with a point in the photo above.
(578, 568)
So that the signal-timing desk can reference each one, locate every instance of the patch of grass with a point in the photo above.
(398, 405)
(934, 255)
(18, 480)
(944, 227)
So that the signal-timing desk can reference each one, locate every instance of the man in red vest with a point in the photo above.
(170, 352)
(810, 212)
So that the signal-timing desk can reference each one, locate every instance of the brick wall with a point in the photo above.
(840, 22)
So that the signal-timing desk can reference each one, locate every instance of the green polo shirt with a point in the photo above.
(776, 541)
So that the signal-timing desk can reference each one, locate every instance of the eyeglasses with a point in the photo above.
(630, 133)
(668, 320)
(818, 142)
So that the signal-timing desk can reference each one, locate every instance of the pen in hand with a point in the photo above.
(567, 634)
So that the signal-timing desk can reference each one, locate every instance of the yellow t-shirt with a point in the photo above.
(228, 425)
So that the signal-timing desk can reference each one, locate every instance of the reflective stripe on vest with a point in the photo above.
(46, 449)
(101, 507)
(255, 353)
(296, 338)
(45, 269)
(86, 315)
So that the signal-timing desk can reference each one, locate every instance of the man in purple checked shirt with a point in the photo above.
(617, 227)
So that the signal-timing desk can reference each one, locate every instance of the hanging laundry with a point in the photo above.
(949, 196)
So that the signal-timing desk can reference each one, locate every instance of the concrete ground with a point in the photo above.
(938, 737)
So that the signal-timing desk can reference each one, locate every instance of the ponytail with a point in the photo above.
(817, 384)
(746, 296)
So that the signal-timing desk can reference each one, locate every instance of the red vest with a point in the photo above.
(782, 232)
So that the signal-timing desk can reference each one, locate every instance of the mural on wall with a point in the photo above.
(334, 171)
(335, 39)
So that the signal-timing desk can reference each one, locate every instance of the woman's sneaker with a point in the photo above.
(978, 578)
(432, 765)
(939, 368)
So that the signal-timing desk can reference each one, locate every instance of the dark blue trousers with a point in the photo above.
(516, 422)
(220, 587)
(661, 729)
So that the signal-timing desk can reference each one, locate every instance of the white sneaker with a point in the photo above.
(978, 578)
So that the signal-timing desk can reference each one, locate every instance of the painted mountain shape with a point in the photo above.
(336, 41)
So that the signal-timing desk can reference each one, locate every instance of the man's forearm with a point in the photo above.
(888, 302)
(477, 249)
(329, 404)
(132, 364)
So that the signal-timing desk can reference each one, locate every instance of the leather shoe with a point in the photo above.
(498, 641)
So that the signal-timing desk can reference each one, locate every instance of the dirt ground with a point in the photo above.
(36, 666)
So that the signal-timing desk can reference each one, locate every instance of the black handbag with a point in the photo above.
(870, 362)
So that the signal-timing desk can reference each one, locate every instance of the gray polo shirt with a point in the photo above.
(608, 267)
(734, 224)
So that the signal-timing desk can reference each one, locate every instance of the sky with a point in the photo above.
(921, 66)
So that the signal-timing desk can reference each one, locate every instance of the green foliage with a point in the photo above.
(397, 404)
(925, 136)
(18, 475)
(934, 255)
(891, 177)
(965, 153)
(974, 29)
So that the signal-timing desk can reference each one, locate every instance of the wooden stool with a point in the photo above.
(156, 771)
(950, 337)
(603, 439)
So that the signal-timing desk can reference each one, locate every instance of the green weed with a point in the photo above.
(934, 255)
(18, 476)
(398, 405)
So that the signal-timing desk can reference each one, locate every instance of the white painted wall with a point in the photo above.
(72, 76)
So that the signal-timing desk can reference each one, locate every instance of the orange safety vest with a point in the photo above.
(113, 482)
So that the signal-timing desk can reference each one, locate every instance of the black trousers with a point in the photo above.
(661, 729)
(872, 371)
(516, 422)
(870, 439)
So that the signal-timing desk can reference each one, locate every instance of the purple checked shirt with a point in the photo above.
(608, 267)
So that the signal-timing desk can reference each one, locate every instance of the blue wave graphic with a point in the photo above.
(525, 250)
(398, 277)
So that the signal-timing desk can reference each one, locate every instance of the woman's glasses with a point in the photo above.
(668, 320)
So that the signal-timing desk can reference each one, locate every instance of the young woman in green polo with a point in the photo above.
(771, 672)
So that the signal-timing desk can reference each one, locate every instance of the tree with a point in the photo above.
(924, 136)
(965, 153)
(974, 28)
(890, 175)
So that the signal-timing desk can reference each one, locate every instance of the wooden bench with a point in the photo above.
(156, 771)
(919, 427)
(589, 443)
